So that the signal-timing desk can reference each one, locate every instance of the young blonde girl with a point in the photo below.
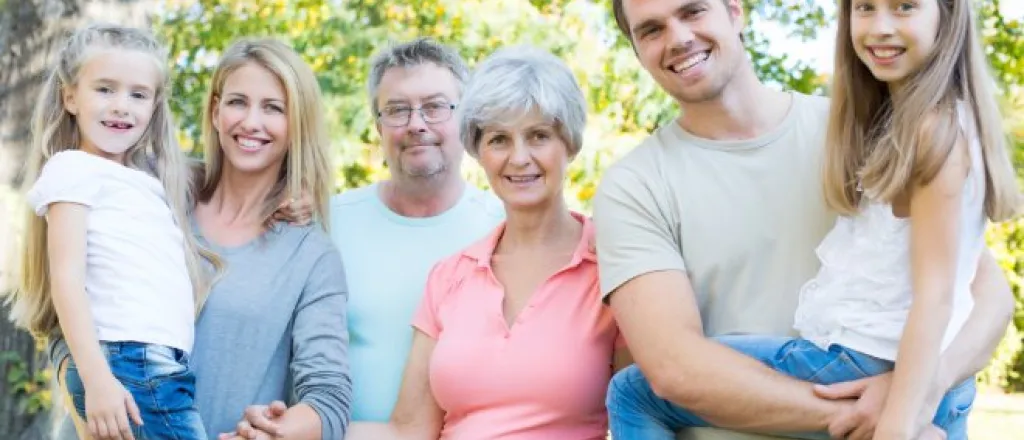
(915, 161)
(108, 260)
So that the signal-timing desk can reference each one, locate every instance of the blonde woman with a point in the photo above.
(274, 325)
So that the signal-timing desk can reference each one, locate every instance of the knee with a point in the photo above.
(624, 386)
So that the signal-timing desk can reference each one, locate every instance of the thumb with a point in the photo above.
(277, 408)
(841, 390)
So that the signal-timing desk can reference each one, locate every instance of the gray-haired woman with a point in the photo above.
(511, 338)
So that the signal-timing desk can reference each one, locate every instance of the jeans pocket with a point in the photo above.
(170, 379)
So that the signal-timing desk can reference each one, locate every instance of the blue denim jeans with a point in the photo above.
(635, 412)
(161, 383)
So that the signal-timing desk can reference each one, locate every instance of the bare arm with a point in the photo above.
(724, 387)
(934, 242)
(107, 403)
(973, 346)
(416, 415)
(66, 249)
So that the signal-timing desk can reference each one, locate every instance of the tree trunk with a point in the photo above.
(31, 31)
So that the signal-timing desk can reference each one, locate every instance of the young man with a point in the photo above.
(709, 228)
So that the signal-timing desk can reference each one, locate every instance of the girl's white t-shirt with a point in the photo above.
(136, 277)
(862, 294)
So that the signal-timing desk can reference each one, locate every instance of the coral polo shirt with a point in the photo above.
(543, 378)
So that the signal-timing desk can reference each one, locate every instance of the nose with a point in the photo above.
(120, 104)
(680, 35)
(252, 120)
(520, 154)
(416, 122)
(882, 24)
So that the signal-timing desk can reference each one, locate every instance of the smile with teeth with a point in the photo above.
(691, 61)
(250, 143)
(120, 125)
(528, 178)
(887, 52)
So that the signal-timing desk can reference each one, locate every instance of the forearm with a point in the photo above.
(986, 325)
(734, 391)
(916, 367)
(76, 324)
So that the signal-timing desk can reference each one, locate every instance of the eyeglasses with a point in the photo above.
(400, 115)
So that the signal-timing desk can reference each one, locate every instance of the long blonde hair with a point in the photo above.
(875, 139)
(307, 164)
(54, 130)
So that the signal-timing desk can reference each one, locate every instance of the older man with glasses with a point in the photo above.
(392, 232)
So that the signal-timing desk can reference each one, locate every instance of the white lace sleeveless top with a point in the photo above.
(861, 296)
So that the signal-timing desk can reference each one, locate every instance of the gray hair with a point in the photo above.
(518, 80)
(412, 54)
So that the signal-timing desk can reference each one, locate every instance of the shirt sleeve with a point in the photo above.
(319, 364)
(439, 284)
(68, 176)
(634, 234)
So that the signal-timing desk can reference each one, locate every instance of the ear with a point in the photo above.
(737, 14)
(67, 95)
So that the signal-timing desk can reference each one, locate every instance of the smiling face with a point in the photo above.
(525, 162)
(692, 48)
(893, 38)
(419, 149)
(251, 119)
(113, 101)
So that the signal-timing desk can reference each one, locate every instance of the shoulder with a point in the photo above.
(71, 163)
(812, 112)
(814, 103)
(484, 202)
(639, 164)
(353, 198)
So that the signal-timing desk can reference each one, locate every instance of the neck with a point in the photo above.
(240, 197)
(422, 198)
(731, 116)
(546, 227)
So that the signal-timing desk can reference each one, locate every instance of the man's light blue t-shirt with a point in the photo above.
(387, 260)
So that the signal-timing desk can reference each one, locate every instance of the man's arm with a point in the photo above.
(654, 304)
(724, 387)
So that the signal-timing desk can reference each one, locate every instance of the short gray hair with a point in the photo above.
(412, 54)
(516, 81)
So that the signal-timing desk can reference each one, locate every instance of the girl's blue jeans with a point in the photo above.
(635, 412)
(161, 383)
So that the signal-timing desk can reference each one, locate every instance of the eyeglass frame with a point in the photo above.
(451, 106)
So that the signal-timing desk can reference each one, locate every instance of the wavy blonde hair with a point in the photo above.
(54, 130)
(876, 138)
(307, 165)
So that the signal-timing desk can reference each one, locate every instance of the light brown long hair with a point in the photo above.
(307, 164)
(875, 138)
(54, 130)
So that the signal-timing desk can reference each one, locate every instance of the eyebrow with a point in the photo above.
(131, 86)
(430, 97)
(651, 22)
(246, 97)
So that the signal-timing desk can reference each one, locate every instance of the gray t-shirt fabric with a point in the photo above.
(273, 328)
